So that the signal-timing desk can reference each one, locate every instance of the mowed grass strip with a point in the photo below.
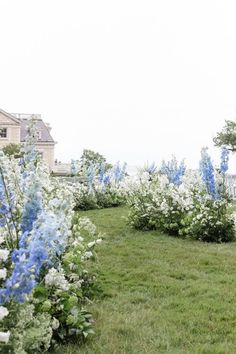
(160, 294)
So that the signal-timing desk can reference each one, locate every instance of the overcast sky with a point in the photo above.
(134, 80)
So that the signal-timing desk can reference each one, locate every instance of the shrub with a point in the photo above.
(44, 253)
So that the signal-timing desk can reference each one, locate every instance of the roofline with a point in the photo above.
(41, 142)
(10, 116)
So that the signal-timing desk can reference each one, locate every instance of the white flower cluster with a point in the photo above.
(56, 278)
(4, 336)
(186, 210)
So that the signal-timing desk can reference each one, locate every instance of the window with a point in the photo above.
(3, 132)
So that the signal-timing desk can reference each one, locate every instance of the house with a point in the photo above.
(13, 129)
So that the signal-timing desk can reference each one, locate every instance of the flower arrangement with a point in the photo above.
(184, 203)
(44, 251)
(101, 188)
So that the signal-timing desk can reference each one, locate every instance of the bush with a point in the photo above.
(44, 254)
(186, 210)
(211, 222)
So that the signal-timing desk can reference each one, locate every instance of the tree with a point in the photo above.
(90, 157)
(227, 137)
(12, 150)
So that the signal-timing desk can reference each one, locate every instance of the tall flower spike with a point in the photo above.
(173, 171)
(224, 160)
(207, 173)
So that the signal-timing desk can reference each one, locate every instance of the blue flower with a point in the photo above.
(207, 173)
(224, 160)
(119, 172)
(173, 171)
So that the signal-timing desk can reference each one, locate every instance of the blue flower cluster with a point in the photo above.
(224, 160)
(32, 207)
(173, 171)
(31, 155)
(207, 173)
(4, 208)
(151, 169)
(98, 172)
(91, 175)
(43, 232)
(119, 172)
(38, 250)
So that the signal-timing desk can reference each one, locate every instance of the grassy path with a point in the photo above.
(161, 294)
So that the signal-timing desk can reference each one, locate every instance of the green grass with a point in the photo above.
(160, 294)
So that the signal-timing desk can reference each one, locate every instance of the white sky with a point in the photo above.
(134, 80)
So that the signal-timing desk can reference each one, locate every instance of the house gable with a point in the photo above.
(13, 129)
(7, 119)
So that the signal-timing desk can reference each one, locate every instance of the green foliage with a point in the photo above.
(227, 137)
(85, 200)
(65, 307)
(12, 150)
(31, 331)
(90, 157)
(180, 211)
(155, 208)
(211, 222)
(96, 199)
(161, 294)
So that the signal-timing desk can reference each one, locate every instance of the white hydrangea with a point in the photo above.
(3, 312)
(3, 273)
(86, 224)
(55, 323)
(87, 255)
(57, 278)
(4, 255)
(4, 337)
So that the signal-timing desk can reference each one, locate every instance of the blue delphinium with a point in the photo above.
(4, 208)
(32, 207)
(38, 249)
(91, 174)
(43, 230)
(207, 173)
(151, 169)
(119, 171)
(173, 171)
(224, 160)
(31, 155)
(102, 170)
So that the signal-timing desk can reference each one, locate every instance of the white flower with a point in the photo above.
(4, 337)
(1, 239)
(3, 273)
(99, 240)
(91, 244)
(55, 323)
(56, 278)
(88, 254)
(4, 255)
(3, 312)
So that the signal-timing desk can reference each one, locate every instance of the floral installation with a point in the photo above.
(101, 188)
(192, 204)
(44, 252)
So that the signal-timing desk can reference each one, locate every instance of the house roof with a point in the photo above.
(10, 116)
(23, 119)
(45, 136)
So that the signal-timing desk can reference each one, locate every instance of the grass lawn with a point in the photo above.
(160, 294)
